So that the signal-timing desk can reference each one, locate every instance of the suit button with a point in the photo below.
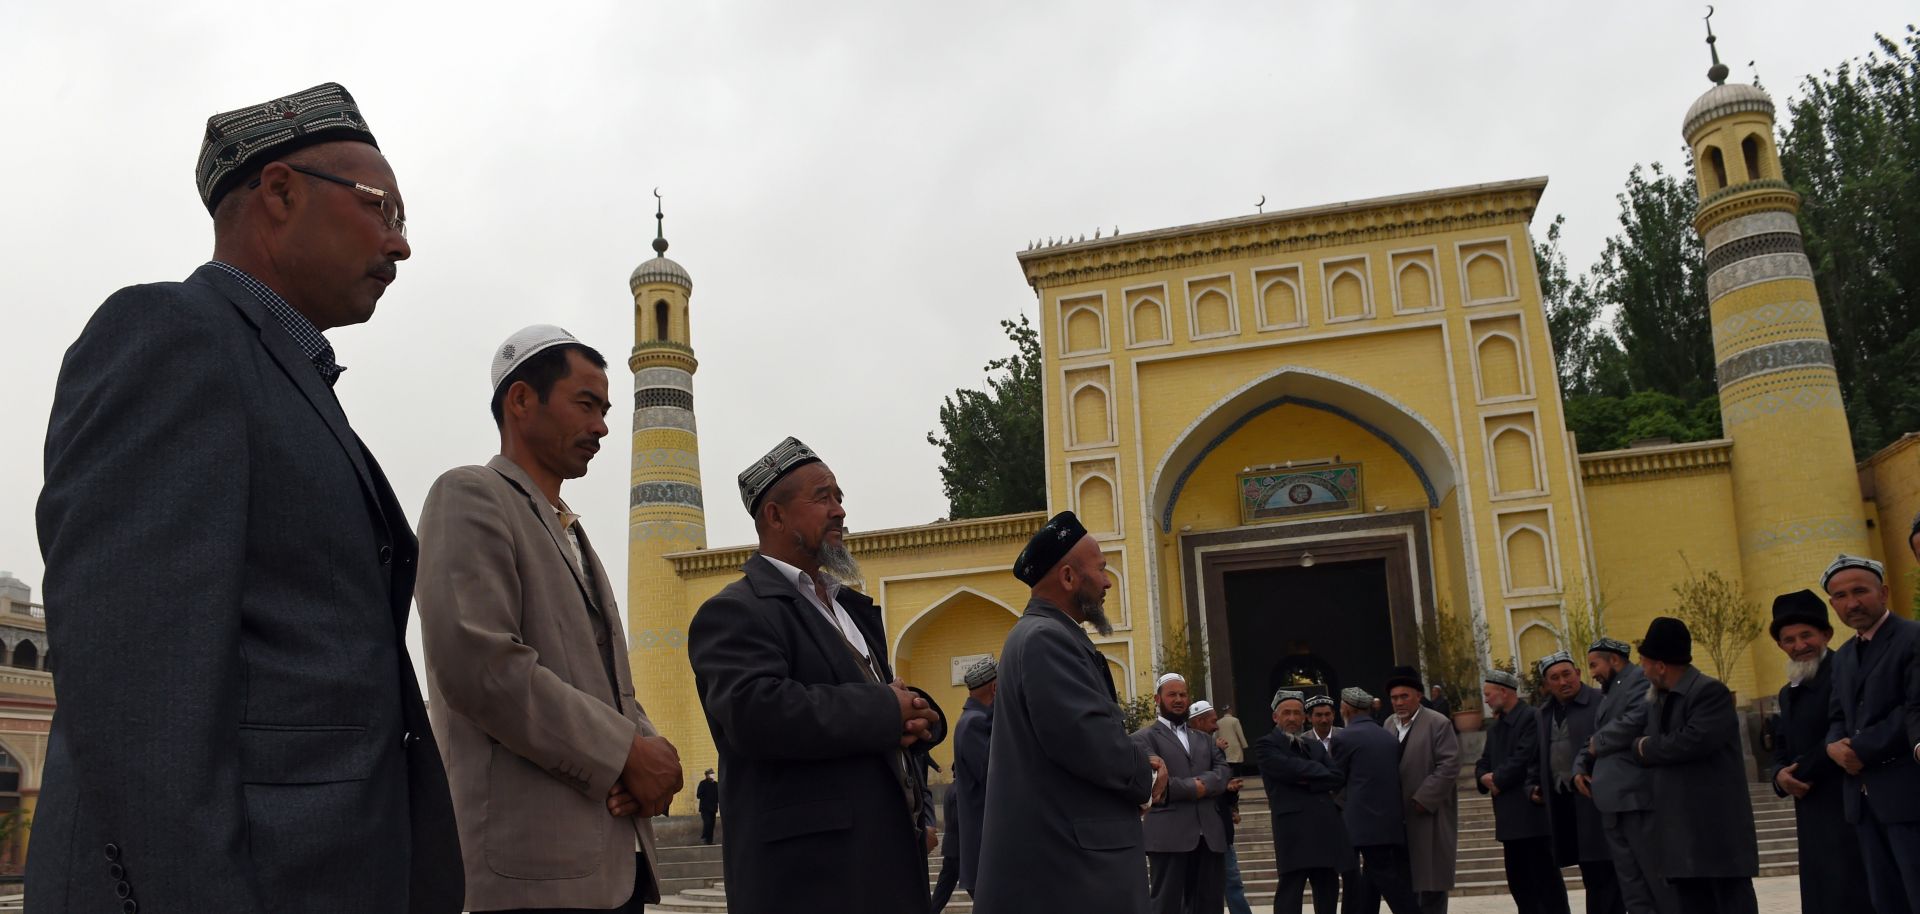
(113, 852)
(600, 638)
(386, 555)
(129, 907)
(122, 889)
(116, 872)
(408, 739)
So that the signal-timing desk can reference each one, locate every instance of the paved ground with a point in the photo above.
(1778, 895)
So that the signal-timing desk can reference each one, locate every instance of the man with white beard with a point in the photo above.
(1832, 874)
(822, 799)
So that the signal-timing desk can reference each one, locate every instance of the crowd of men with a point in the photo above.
(229, 576)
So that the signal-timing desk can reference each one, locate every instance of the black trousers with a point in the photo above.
(949, 878)
(1892, 854)
(1190, 882)
(1603, 888)
(706, 825)
(1715, 896)
(1293, 883)
(1385, 874)
(1532, 878)
(642, 884)
(1433, 903)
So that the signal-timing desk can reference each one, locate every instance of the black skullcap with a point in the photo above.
(1667, 641)
(1804, 607)
(1048, 547)
(1405, 676)
(240, 141)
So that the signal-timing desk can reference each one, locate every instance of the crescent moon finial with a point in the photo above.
(1261, 206)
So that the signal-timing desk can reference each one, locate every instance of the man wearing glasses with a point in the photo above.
(228, 571)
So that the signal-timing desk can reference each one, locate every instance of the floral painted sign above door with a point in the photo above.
(1284, 494)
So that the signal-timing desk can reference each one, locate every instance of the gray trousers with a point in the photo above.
(1630, 837)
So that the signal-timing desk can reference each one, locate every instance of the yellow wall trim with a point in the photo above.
(897, 539)
(1657, 462)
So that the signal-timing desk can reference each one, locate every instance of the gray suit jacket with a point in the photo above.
(532, 695)
(1184, 819)
(228, 580)
(1619, 783)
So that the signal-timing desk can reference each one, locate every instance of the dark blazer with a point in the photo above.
(1702, 812)
(1184, 820)
(1869, 705)
(228, 581)
(1512, 756)
(972, 743)
(707, 795)
(1832, 874)
(1066, 785)
(1368, 759)
(810, 770)
(1620, 784)
(1583, 838)
(1300, 780)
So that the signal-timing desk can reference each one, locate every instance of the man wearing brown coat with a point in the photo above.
(556, 771)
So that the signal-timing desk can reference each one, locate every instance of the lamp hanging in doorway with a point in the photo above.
(1306, 559)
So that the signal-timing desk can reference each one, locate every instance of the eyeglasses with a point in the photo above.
(389, 207)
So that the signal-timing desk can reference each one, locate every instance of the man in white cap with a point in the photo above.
(1186, 841)
(1873, 676)
(556, 770)
(824, 803)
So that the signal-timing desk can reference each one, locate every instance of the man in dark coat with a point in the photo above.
(1202, 716)
(228, 572)
(1367, 758)
(1067, 786)
(1705, 842)
(973, 740)
(1509, 769)
(1186, 841)
(1832, 874)
(1310, 844)
(822, 795)
(708, 797)
(1565, 725)
(949, 851)
(1867, 734)
(1621, 789)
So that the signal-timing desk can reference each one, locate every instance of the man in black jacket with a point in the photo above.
(1509, 769)
(1368, 760)
(1832, 875)
(1873, 679)
(229, 573)
(1579, 837)
(1310, 845)
(823, 800)
(708, 796)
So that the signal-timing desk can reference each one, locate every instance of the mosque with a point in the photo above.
(1301, 436)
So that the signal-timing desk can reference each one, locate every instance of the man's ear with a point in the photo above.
(278, 191)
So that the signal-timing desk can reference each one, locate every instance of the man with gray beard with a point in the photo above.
(823, 800)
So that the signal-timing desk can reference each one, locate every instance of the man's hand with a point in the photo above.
(933, 838)
(1486, 781)
(1220, 741)
(915, 716)
(652, 774)
(1793, 786)
(1236, 817)
(1199, 788)
(1843, 755)
(1583, 784)
(620, 801)
(1538, 798)
(1417, 808)
(1234, 785)
(1159, 779)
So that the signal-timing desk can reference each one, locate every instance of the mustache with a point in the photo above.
(387, 271)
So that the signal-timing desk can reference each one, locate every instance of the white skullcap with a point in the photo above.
(523, 345)
(1166, 678)
(1198, 708)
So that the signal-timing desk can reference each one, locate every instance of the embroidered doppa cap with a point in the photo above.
(1357, 697)
(1667, 641)
(240, 141)
(1286, 695)
(1198, 708)
(1502, 678)
(524, 344)
(1802, 608)
(1611, 646)
(755, 480)
(1845, 561)
(1319, 701)
(1048, 547)
(980, 673)
(1551, 659)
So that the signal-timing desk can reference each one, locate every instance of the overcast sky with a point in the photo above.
(846, 183)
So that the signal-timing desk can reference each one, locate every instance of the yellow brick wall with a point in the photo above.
(1894, 474)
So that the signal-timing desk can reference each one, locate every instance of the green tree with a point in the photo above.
(1653, 276)
(1852, 150)
(992, 452)
(1720, 617)
(1586, 355)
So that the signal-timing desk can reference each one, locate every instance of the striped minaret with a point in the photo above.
(665, 509)
(1796, 493)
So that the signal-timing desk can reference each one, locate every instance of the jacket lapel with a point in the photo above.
(537, 503)
(768, 584)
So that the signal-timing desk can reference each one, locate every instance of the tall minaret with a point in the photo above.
(1796, 492)
(665, 513)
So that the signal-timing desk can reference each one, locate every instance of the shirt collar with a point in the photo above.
(801, 580)
(1177, 728)
(1877, 626)
(313, 344)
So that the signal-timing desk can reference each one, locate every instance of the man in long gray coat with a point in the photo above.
(1429, 772)
(228, 571)
(1613, 778)
(1066, 786)
(1705, 840)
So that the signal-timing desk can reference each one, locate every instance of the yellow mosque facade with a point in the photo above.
(1301, 436)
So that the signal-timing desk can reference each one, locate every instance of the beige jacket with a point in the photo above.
(530, 695)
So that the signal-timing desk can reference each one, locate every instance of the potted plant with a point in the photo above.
(1450, 654)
